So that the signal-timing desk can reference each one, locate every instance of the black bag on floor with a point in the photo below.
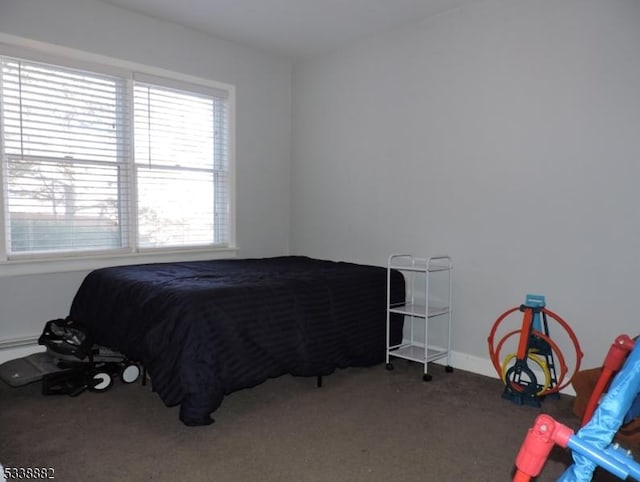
(65, 337)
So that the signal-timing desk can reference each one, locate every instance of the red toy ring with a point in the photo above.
(494, 353)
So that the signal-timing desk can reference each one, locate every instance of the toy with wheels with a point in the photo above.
(530, 373)
(102, 376)
(71, 363)
(74, 377)
(105, 373)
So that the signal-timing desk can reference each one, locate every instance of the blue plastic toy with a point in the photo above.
(592, 444)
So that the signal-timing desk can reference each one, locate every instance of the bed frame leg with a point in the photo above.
(319, 381)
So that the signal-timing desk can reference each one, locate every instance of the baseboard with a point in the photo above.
(18, 347)
(481, 366)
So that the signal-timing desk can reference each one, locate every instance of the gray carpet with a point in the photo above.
(364, 424)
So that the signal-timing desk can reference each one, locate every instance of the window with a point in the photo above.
(96, 162)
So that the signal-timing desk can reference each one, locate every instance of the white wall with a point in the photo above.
(505, 134)
(263, 128)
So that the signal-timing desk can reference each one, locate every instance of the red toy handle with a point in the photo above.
(537, 445)
(618, 353)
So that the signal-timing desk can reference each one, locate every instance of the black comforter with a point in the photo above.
(204, 329)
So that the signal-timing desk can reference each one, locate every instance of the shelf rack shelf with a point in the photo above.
(427, 300)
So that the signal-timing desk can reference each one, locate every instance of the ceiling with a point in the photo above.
(293, 28)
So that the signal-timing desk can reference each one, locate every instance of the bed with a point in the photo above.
(204, 329)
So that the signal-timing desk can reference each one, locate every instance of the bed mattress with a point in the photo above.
(204, 329)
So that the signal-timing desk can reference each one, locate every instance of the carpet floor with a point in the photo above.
(364, 424)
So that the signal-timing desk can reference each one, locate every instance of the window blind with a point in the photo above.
(65, 139)
(181, 167)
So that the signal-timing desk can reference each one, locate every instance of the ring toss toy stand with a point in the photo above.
(536, 345)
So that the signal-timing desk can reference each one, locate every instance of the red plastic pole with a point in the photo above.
(523, 345)
(614, 360)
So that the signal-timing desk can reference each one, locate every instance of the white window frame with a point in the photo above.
(48, 263)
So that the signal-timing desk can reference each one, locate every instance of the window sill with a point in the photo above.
(59, 265)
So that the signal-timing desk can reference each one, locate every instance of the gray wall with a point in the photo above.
(504, 134)
(263, 128)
